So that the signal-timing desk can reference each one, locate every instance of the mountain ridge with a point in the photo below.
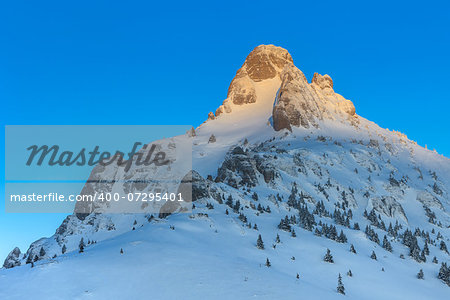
(284, 157)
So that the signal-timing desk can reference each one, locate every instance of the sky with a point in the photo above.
(143, 63)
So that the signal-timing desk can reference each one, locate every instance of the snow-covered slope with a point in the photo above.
(282, 157)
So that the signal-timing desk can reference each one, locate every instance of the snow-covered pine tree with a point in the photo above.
(352, 249)
(260, 243)
(342, 238)
(81, 246)
(268, 264)
(42, 252)
(373, 255)
(277, 239)
(229, 201)
(443, 247)
(64, 249)
(426, 250)
(349, 273)
(444, 273)
(386, 244)
(328, 257)
(420, 274)
(340, 287)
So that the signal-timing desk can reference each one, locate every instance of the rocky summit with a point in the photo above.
(297, 102)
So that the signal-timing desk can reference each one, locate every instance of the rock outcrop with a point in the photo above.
(302, 104)
(264, 62)
(13, 259)
(298, 103)
(243, 168)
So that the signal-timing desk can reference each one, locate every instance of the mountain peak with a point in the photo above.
(265, 62)
(269, 78)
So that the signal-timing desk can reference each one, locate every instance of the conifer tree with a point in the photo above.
(340, 287)
(121, 251)
(268, 264)
(420, 274)
(443, 247)
(42, 252)
(387, 244)
(444, 273)
(277, 239)
(352, 249)
(349, 273)
(81, 246)
(373, 255)
(64, 249)
(260, 243)
(328, 257)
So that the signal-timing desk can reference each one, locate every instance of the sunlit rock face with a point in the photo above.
(302, 104)
(297, 103)
(264, 62)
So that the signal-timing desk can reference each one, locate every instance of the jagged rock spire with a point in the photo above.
(298, 103)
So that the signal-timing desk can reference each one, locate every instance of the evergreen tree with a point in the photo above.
(293, 233)
(352, 249)
(229, 201)
(42, 252)
(328, 257)
(444, 274)
(373, 255)
(426, 250)
(121, 251)
(422, 256)
(387, 244)
(298, 276)
(414, 252)
(435, 261)
(420, 274)
(342, 238)
(277, 239)
(64, 249)
(268, 264)
(340, 287)
(443, 247)
(260, 243)
(237, 206)
(349, 273)
(81, 246)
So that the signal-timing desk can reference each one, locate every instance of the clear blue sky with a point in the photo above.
(132, 62)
